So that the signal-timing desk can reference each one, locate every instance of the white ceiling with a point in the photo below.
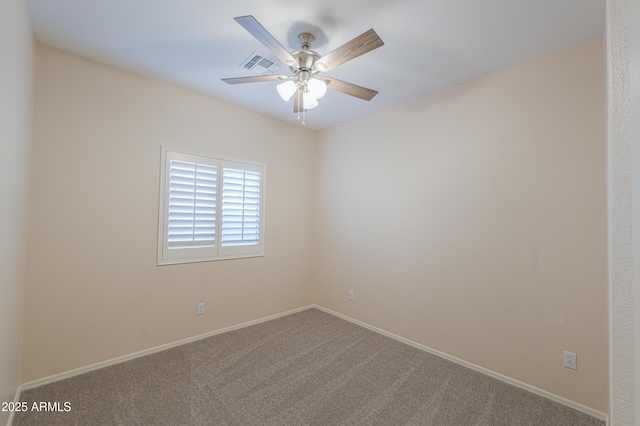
(429, 44)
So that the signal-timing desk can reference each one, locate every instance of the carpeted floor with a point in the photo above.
(308, 368)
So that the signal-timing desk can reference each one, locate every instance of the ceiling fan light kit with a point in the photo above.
(306, 64)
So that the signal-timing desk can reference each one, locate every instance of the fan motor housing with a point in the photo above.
(305, 59)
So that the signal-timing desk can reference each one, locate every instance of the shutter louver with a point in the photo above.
(192, 205)
(240, 207)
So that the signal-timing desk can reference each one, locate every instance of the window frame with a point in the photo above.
(169, 256)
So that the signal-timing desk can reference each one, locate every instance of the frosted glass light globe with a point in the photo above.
(317, 87)
(308, 101)
(286, 90)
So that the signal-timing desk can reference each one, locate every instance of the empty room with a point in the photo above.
(324, 212)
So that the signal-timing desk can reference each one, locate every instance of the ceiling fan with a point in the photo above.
(305, 64)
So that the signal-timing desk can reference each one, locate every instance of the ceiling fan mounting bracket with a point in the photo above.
(306, 40)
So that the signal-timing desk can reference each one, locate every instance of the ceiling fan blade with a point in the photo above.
(350, 89)
(365, 42)
(254, 27)
(255, 79)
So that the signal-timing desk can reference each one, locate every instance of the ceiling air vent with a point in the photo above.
(259, 65)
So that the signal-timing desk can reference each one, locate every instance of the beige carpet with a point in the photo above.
(308, 368)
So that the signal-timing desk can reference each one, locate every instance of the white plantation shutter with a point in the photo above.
(210, 208)
(192, 205)
(240, 207)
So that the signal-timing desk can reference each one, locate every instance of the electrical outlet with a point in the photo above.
(350, 294)
(200, 308)
(570, 360)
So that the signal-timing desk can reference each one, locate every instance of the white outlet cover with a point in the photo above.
(570, 360)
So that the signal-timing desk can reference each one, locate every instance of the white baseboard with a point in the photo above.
(16, 398)
(571, 404)
(117, 360)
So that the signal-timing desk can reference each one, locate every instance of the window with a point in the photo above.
(210, 208)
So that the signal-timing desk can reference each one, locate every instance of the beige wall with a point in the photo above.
(16, 62)
(473, 221)
(94, 291)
